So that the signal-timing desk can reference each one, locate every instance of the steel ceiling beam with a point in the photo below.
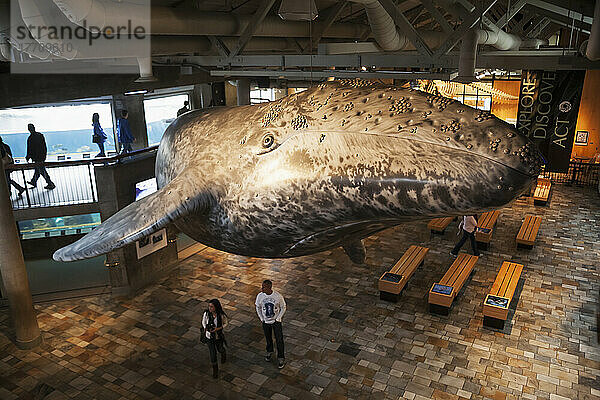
(469, 22)
(437, 15)
(332, 14)
(562, 20)
(407, 28)
(561, 10)
(337, 74)
(532, 59)
(510, 13)
(219, 45)
(518, 28)
(537, 30)
(257, 19)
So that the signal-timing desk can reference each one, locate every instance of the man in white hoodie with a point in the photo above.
(270, 307)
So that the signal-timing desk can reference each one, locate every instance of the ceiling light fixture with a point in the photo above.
(298, 10)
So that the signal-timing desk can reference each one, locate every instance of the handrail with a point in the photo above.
(69, 163)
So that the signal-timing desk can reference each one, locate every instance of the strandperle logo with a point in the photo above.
(82, 32)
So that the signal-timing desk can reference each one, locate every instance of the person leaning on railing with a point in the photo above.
(98, 137)
(36, 152)
(125, 136)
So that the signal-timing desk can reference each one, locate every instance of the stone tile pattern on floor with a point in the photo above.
(342, 342)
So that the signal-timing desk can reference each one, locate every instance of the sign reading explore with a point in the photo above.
(548, 108)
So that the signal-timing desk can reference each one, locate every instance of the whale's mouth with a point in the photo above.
(317, 138)
(335, 236)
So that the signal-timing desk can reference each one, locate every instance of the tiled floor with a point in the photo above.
(341, 340)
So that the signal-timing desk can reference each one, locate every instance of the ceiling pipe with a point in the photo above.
(19, 45)
(467, 57)
(146, 75)
(383, 26)
(101, 14)
(5, 53)
(175, 21)
(592, 51)
(390, 39)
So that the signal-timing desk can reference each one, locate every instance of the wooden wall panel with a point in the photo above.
(507, 111)
(589, 116)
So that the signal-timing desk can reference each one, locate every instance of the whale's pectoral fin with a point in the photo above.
(182, 196)
(355, 249)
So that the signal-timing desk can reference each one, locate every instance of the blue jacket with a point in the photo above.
(125, 135)
(99, 135)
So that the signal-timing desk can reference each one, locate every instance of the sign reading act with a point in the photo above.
(548, 108)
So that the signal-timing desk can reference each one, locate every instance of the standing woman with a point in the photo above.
(99, 137)
(213, 322)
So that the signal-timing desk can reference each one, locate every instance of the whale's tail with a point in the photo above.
(182, 196)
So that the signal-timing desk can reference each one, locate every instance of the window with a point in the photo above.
(67, 128)
(58, 226)
(259, 95)
(475, 98)
(160, 112)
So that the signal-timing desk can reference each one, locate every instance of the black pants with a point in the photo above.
(466, 235)
(126, 148)
(11, 182)
(40, 170)
(215, 345)
(101, 147)
(276, 328)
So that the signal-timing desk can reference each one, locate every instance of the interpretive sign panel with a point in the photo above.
(548, 108)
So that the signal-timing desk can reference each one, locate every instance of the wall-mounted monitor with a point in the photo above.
(145, 188)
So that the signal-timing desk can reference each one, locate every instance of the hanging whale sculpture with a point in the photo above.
(320, 169)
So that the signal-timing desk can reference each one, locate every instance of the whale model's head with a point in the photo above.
(323, 168)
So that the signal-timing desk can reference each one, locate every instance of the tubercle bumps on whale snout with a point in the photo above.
(363, 107)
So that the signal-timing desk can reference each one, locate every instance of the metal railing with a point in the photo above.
(75, 181)
(579, 173)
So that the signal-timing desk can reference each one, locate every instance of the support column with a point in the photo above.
(14, 274)
(243, 92)
(134, 105)
(202, 96)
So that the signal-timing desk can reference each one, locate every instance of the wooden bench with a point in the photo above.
(485, 228)
(439, 225)
(495, 306)
(528, 232)
(542, 191)
(392, 282)
(442, 293)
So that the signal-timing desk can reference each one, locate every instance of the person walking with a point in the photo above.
(125, 135)
(184, 109)
(468, 225)
(36, 152)
(98, 137)
(7, 159)
(213, 322)
(270, 307)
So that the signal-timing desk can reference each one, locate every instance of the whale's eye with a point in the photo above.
(268, 141)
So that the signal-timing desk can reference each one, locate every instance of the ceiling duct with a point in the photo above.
(389, 38)
(298, 10)
(467, 58)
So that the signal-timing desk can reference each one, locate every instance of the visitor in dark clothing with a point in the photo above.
(184, 109)
(213, 321)
(125, 135)
(98, 137)
(469, 226)
(7, 159)
(36, 152)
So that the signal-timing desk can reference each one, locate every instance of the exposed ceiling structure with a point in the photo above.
(370, 38)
